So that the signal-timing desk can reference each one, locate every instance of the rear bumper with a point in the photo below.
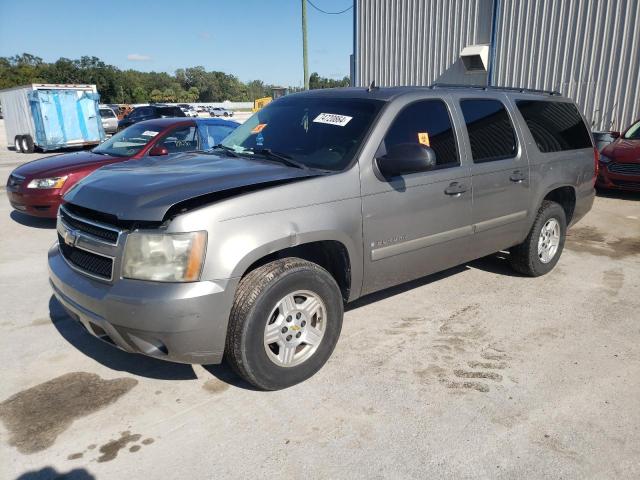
(584, 202)
(180, 322)
(36, 204)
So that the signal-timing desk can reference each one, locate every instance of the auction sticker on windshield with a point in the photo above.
(149, 133)
(332, 119)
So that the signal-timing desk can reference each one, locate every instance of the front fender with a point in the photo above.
(238, 243)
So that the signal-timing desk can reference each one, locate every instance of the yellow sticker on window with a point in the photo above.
(423, 138)
(258, 128)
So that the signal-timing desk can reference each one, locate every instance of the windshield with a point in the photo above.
(323, 133)
(634, 132)
(128, 142)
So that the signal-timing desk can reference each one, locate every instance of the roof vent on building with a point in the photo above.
(475, 58)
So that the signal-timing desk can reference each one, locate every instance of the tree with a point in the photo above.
(139, 95)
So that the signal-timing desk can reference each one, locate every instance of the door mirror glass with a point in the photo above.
(405, 158)
(158, 151)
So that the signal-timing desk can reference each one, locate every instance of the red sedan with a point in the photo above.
(620, 162)
(36, 188)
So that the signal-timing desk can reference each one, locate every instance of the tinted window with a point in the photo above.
(491, 132)
(425, 122)
(181, 139)
(319, 132)
(555, 126)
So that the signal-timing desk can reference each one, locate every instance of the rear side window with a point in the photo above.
(106, 113)
(491, 132)
(555, 126)
(426, 122)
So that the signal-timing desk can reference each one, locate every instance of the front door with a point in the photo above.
(417, 223)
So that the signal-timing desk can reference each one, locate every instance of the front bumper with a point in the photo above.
(181, 322)
(38, 204)
(607, 179)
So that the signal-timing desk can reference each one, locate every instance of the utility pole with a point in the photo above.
(305, 61)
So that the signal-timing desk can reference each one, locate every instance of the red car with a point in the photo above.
(36, 188)
(620, 162)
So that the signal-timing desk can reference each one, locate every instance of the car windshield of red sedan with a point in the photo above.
(128, 142)
(634, 132)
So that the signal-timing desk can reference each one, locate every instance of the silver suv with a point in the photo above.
(250, 251)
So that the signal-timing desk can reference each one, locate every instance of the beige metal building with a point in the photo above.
(588, 50)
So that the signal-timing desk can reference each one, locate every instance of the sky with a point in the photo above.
(252, 39)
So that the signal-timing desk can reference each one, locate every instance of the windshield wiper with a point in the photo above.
(280, 157)
(228, 150)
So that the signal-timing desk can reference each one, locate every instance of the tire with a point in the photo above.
(259, 302)
(27, 144)
(226, 114)
(527, 258)
(17, 143)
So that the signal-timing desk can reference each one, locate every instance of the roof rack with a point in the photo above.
(497, 89)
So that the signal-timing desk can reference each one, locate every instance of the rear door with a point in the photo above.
(499, 171)
(417, 223)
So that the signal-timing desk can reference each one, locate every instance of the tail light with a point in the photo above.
(596, 160)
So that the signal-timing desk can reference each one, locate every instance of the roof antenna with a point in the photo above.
(372, 86)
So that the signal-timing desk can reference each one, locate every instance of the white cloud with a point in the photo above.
(136, 57)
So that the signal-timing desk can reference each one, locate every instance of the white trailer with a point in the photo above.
(50, 116)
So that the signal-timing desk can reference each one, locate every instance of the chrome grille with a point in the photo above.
(624, 168)
(98, 230)
(90, 263)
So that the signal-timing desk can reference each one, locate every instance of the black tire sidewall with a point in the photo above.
(29, 143)
(267, 374)
(552, 210)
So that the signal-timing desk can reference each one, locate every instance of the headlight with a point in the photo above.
(604, 159)
(164, 257)
(53, 182)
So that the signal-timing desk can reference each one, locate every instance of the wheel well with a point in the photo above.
(329, 254)
(566, 197)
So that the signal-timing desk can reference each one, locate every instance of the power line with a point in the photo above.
(329, 13)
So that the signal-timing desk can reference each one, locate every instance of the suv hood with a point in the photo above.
(145, 190)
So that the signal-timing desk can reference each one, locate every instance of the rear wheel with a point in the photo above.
(284, 324)
(27, 144)
(542, 248)
(17, 143)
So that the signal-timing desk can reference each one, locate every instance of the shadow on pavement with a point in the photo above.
(35, 222)
(618, 194)
(50, 473)
(110, 356)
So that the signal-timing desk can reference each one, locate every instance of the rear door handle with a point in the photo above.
(455, 188)
(517, 176)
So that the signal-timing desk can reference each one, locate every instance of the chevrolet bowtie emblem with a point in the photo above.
(70, 238)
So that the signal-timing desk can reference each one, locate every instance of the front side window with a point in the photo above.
(426, 122)
(181, 139)
(555, 126)
(315, 132)
(106, 113)
(491, 133)
(634, 132)
(127, 142)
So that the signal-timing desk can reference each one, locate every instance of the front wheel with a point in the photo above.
(541, 250)
(284, 323)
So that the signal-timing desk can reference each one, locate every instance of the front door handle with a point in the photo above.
(517, 176)
(455, 188)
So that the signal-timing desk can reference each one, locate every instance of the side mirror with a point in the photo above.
(615, 134)
(405, 158)
(158, 151)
